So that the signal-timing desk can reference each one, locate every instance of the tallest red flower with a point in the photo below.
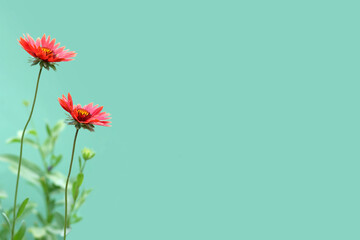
(45, 51)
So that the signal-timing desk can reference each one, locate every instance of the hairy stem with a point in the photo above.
(20, 158)
(67, 183)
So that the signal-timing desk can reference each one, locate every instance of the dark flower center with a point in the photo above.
(83, 115)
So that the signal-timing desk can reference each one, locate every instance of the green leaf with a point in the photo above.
(47, 147)
(6, 219)
(76, 185)
(75, 191)
(21, 232)
(48, 129)
(29, 209)
(32, 132)
(58, 128)
(38, 232)
(55, 160)
(26, 141)
(84, 194)
(80, 179)
(75, 219)
(53, 67)
(40, 217)
(9, 158)
(29, 170)
(22, 208)
(26, 174)
(59, 220)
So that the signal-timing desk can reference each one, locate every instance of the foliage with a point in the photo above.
(50, 183)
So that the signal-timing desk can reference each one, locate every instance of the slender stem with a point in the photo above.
(20, 158)
(83, 167)
(67, 182)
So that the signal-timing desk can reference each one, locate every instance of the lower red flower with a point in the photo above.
(86, 116)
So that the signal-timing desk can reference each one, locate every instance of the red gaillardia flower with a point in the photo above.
(45, 51)
(86, 116)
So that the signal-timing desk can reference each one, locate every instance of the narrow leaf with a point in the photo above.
(58, 128)
(26, 140)
(80, 179)
(25, 163)
(32, 132)
(6, 219)
(22, 208)
(76, 185)
(21, 232)
(48, 130)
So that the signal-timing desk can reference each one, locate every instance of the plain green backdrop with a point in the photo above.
(232, 120)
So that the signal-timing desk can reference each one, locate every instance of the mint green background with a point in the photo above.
(231, 119)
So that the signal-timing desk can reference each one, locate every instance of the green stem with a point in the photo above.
(83, 167)
(20, 158)
(67, 182)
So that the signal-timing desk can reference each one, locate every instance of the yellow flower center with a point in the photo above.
(46, 51)
(83, 114)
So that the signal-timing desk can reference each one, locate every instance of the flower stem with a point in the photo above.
(20, 158)
(67, 183)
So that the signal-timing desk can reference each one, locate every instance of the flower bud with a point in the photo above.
(87, 153)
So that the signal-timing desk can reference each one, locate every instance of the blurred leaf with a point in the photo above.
(57, 178)
(47, 147)
(59, 219)
(37, 232)
(3, 194)
(48, 129)
(29, 170)
(84, 194)
(22, 208)
(29, 209)
(75, 219)
(52, 204)
(55, 160)
(9, 158)
(28, 175)
(58, 231)
(26, 103)
(87, 154)
(53, 66)
(58, 128)
(40, 217)
(26, 140)
(21, 232)
(6, 219)
(32, 132)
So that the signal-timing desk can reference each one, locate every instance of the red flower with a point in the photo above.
(86, 116)
(45, 51)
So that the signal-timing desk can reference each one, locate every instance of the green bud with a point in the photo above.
(87, 154)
